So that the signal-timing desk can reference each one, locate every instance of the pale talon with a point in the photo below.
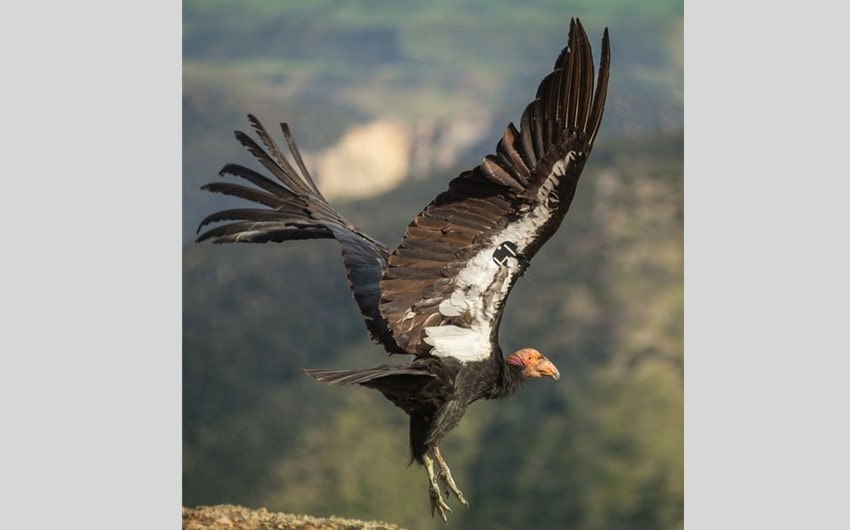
(439, 504)
(437, 501)
(446, 477)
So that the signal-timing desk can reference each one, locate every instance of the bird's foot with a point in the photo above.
(438, 503)
(445, 476)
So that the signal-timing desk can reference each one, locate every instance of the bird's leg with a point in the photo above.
(446, 476)
(437, 501)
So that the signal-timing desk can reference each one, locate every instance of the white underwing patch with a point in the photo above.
(454, 306)
(456, 341)
(482, 284)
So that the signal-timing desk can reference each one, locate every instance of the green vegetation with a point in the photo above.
(603, 447)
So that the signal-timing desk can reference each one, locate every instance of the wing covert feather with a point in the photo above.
(461, 255)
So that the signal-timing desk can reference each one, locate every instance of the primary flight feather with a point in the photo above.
(439, 295)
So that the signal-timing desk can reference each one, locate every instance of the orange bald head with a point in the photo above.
(534, 364)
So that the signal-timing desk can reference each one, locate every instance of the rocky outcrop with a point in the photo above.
(230, 517)
(368, 160)
(373, 158)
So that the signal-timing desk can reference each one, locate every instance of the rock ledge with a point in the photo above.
(230, 517)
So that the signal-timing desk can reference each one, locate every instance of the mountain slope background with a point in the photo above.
(601, 448)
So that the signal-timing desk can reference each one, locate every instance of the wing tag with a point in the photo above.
(508, 250)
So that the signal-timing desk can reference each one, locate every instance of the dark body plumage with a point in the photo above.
(440, 294)
(433, 391)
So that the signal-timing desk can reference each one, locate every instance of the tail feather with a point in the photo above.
(396, 383)
(363, 376)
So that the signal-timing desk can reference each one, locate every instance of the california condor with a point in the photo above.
(439, 295)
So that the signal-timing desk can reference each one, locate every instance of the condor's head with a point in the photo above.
(533, 364)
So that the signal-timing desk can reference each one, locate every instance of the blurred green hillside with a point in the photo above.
(324, 66)
(603, 447)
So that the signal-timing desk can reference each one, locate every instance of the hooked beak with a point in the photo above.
(544, 367)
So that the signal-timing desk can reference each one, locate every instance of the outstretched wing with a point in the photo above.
(446, 284)
(295, 209)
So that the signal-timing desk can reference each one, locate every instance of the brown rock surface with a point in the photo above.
(230, 517)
